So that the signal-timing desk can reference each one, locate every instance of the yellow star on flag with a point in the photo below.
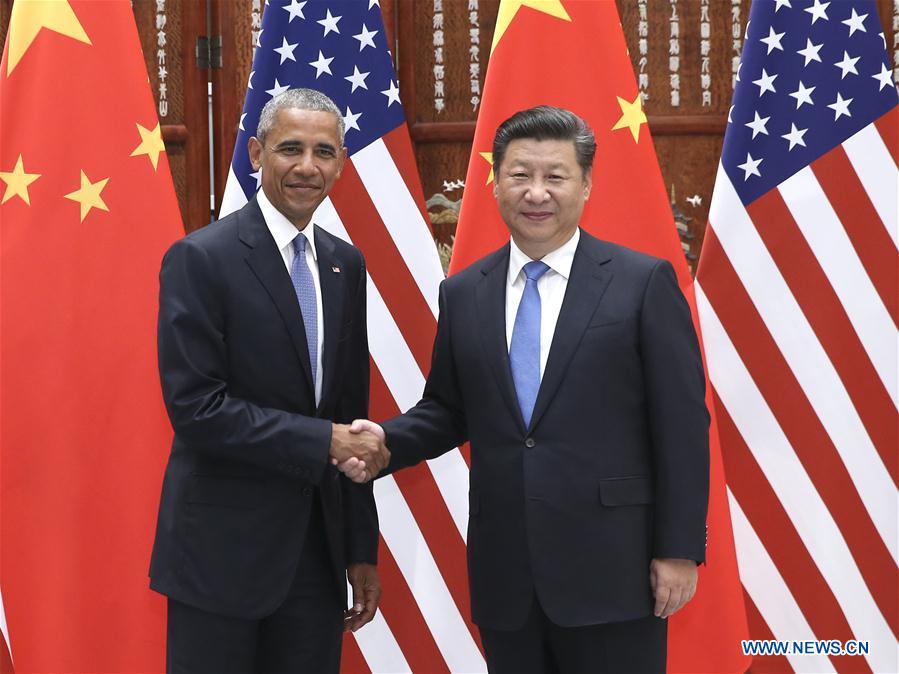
(150, 144)
(632, 116)
(489, 157)
(509, 8)
(17, 182)
(88, 195)
(30, 16)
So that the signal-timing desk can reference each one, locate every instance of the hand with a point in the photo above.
(360, 425)
(353, 468)
(366, 595)
(673, 583)
(366, 449)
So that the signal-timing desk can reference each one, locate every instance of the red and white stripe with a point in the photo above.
(424, 622)
(797, 297)
(6, 663)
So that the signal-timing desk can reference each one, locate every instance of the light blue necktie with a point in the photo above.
(524, 352)
(304, 287)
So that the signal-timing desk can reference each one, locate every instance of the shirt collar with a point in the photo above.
(283, 231)
(558, 260)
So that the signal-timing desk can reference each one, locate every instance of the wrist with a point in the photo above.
(335, 445)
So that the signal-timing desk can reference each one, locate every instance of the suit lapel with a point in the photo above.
(490, 300)
(331, 281)
(266, 262)
(586, 284)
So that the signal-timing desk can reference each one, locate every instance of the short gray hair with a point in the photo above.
(301, 99)
(546, 122)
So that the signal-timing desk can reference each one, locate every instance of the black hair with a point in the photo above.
(546, 122)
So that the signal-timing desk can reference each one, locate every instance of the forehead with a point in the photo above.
(544, 152)
(307, 126)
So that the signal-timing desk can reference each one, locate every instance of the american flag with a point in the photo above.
(6, 664)
(341, 48)
(797, 297)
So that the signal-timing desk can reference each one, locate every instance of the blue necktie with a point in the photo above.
(304, 287)
(524, 352)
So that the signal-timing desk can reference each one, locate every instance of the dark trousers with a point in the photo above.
(303, 635)
(542, 647)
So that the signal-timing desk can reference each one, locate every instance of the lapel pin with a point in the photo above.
(336, 270)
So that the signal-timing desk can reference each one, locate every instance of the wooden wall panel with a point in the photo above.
(177, 58)
(442, 136)
(688, 137)
(236, 21)
(5, 9)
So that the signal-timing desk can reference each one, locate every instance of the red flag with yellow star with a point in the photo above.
(87, 209)
(572, 54)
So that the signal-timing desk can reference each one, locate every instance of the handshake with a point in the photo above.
(358, 450)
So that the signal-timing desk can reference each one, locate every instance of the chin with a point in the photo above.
(539, 232)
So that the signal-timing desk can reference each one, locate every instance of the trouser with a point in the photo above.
(542, 647)
(303, 635)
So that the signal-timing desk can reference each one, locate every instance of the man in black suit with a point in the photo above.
(572, 366)
(263, 357)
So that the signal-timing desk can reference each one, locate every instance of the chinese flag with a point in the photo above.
(572, 54)
(87, 209)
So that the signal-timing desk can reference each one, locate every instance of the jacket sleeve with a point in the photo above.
(678, 419)
(193, 367)
(436, 424)
(360, 513)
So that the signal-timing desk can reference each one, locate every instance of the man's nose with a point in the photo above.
(304, 164)
(537, 192)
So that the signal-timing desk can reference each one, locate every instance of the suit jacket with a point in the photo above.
(613, 468)
(250, 443)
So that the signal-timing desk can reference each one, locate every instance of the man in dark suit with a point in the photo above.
(572, 366)
(263, 353)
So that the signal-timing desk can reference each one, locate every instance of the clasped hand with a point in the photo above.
(358, 450)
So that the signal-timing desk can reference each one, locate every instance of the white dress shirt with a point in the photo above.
(551, 287)
(284, 232)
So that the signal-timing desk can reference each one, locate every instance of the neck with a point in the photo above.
(539, 250)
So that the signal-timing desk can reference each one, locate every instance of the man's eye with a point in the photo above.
(290, 151)
(328, 154)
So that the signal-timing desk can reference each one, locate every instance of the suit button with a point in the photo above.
(307, 491)
(530, 443)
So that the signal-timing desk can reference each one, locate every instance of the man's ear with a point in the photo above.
(341, 160)
(254, 147)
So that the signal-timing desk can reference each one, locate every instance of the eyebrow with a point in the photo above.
(528, 164)
(297, 143)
